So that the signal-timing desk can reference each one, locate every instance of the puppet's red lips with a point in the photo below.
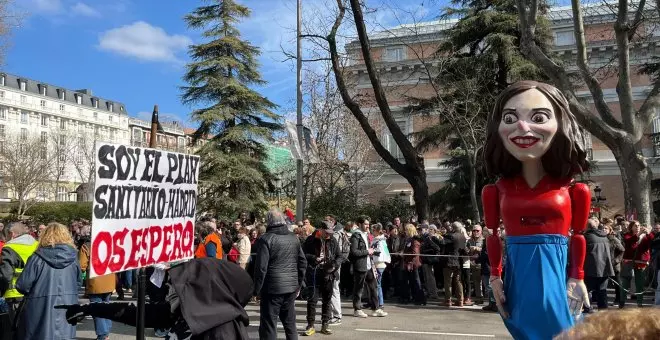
(524, 141)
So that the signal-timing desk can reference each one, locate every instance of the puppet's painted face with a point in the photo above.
(528, 125)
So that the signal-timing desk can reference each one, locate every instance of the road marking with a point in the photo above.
(424, 333)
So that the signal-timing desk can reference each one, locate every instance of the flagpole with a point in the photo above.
(142, 274)
(299, 124)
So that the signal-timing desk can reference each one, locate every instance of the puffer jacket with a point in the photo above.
(280, 263)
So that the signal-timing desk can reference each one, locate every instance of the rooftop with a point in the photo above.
(59, 93)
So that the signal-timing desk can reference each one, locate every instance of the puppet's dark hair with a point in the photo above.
(567, 154)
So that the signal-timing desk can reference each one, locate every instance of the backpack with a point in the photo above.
(344, 244)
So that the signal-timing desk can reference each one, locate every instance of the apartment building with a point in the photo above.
(403, 56)
(76, 117)
(172, 137)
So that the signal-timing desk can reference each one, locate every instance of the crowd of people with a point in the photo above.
(43, 266)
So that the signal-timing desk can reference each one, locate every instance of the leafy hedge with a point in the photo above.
(62, 212)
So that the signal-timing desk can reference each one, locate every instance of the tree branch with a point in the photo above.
(400, 138)
(582, 63)
(638, 19)
(624, 85)
(528, 47)
(350, 102)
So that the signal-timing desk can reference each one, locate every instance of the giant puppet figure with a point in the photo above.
(535, 147)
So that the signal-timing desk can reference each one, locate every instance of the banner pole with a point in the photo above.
(142, 276)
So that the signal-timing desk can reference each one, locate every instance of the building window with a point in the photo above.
(44, 90)
(62, 107)
(2, 94)
(44, 120)
(23, 85)
(3, 112)
(24, 117)
(110, 107)
(61, 191)
(564, 38)
(44, 152)
(23, 133)
(110, 118)
(121, 109)
(62, 124)
(95, 102)
(43, 104)
(392, 147)
(2, 131)
(2, 80)
(44, 136)
(112, 134)
(62, 94)
(23, 99)
(78, 99)
(96, 115)
(393, 54)
(96, 131)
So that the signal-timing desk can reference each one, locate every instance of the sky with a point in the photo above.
(135, 51)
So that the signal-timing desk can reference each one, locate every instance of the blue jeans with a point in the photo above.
(485, 279)
(128, 279)
(379, 286)
(101, 326)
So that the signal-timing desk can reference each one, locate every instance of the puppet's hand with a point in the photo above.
(497, 286)
(577, 296)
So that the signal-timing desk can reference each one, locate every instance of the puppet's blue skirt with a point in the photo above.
(535, 286)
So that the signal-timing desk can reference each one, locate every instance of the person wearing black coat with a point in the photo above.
(323, 261)
(206, 301)
(430, 246)
(598, 263)
(485, 277)
(363, 268)
(395, 245)
(279, 272)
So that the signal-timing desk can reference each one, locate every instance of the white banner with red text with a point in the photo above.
(144, 208)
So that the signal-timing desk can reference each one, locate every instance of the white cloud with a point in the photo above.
(47, 6)
(85, 10)
(144, 41)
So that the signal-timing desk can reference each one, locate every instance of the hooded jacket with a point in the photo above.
(51, 277)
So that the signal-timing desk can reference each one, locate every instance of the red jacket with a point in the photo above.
(637, 251)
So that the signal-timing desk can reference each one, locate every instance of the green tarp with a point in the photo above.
(278, 157)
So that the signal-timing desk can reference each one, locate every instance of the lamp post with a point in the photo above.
(595, 201)
(278, 185)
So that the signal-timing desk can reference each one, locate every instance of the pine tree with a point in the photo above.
(237, 119)
(482, 58)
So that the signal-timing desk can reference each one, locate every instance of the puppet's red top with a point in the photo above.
(553, 206)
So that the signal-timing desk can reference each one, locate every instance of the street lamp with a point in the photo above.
(597, 199)
(278, 184)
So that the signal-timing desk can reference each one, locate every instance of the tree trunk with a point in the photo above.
(420, 194)
(476, 215)
(636, 177)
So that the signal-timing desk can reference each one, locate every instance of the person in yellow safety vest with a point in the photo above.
(15, 254)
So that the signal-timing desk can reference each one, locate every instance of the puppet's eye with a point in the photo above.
(509, 118)
(540, 118)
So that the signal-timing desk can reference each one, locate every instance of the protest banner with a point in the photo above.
(144, 208)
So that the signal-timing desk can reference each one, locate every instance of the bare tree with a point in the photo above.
(84, 162)
(624, 137)
(24, 159)
(411, 166)
(344, 152)
(61, 147)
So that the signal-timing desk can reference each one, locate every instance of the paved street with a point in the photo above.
(409, 321)
(429, 322)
